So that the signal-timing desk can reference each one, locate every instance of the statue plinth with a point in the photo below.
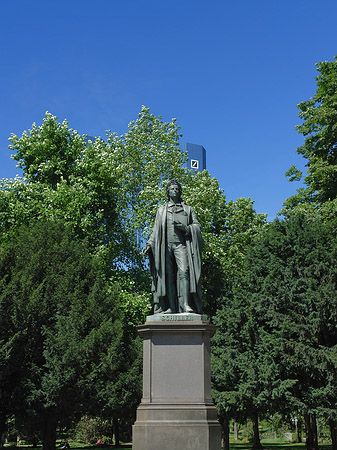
(176, 411)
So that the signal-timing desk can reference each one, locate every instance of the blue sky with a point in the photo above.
(231, 73)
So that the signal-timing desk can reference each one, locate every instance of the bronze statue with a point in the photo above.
(174, 249)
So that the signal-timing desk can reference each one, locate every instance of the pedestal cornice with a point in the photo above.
(176, 323)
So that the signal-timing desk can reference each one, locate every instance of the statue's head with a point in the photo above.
(171, 183)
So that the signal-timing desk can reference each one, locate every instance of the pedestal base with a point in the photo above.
(176, 411)
(180, 428)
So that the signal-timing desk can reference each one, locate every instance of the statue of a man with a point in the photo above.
(174, 250)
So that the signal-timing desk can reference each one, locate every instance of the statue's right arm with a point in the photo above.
(152, 238)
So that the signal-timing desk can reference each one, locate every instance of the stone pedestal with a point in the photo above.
(176, 411)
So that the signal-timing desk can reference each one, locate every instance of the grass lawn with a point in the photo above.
(268, 445)
(73, 445)
(272, 445)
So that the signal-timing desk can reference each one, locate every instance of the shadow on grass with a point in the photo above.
(276, 446)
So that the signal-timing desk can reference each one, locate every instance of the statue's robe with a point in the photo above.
(157, 242)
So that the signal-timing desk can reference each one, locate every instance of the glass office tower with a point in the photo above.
(196, 156)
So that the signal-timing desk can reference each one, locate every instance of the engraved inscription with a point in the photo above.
(175, 318)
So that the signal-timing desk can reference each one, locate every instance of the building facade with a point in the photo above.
(196, 156)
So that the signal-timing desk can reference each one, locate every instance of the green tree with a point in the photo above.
(48, 154)
(289, 318)
(108, 192)
(247, 380)
(65, 178)
(147, 156)
(99, 188)
(319, 128)
(70, 328)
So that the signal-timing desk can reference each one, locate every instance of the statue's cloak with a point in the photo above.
(157, 255)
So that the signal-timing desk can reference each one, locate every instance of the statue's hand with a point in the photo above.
(181, 226)
(146, 249)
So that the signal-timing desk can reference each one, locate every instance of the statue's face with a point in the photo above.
(174, 193)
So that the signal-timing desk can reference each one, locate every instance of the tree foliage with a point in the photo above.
(63, 331)
(108, 192)
(319, 128)
(277, 341)
(65, 178)
(97, 187)
(104, 193)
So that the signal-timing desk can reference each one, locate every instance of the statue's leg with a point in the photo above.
(157, 308)
(180, 253)
(171, 286)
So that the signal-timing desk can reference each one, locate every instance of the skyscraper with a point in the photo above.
(196, 156)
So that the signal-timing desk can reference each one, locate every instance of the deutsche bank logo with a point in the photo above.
(194, 164)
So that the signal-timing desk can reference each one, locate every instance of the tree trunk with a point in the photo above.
(291, 424)
(49, 423)
(311, 432)
(256, 433)
(116, 431)
(299, 430)
(235, 426)
(2, 429)
(333, 433)
(314, 427)
(225, 434)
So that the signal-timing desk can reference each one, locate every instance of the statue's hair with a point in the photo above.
(173, 181)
